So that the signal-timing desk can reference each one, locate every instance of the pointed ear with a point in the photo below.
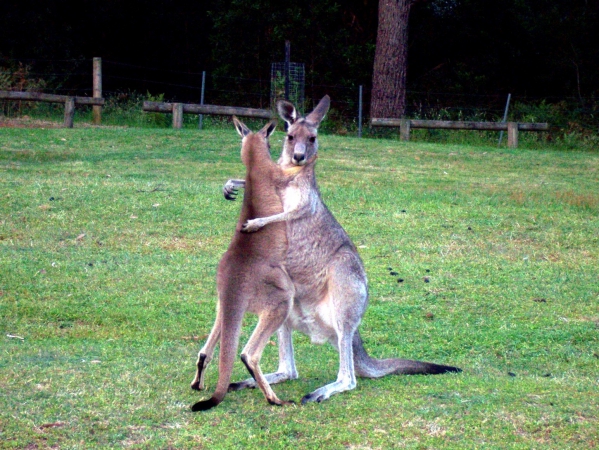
(240, 127)
(316, 116)
(269, 128)
(287, 111)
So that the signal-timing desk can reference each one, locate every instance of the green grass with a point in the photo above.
(109, 241)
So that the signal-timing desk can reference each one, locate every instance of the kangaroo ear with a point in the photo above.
(240, 127)
(269, 128)
(287, 111)
(316, 116)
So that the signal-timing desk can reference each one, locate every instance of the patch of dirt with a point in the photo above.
(28, 122)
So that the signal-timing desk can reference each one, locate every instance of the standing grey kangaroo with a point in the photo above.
(331, 288)
(251, 275)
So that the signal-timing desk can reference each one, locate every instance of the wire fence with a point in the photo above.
(122, 81)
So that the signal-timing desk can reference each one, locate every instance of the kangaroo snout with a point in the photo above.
(298, 158)
(299, 154)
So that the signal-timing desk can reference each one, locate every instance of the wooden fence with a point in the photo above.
(512, 128)
(69, 102)
(178, 109)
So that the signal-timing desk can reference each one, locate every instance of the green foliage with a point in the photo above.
(109, 241)
(126, 108)
(328, 37)
(567, 116)
(17, 77)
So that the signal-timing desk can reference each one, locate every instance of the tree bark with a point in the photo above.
(390, 60)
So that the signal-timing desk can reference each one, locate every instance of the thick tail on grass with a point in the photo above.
(375, 368)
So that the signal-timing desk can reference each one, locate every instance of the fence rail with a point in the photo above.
(512, 128)
(69, 102)
(51, 98)
(178, 109)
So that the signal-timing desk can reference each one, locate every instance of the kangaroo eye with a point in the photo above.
(312, 139)
(289, 137)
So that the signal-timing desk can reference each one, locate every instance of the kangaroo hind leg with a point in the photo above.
(286, 370)
(230, 319)
(346, 379)
(206, 353)
(269, 321)
(345, 304)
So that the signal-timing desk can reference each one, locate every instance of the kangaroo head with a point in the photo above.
(301, 142)
(253, 141)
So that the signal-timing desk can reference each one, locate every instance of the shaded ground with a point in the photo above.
(27, 122)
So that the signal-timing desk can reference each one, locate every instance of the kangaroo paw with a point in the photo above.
(252, 225)
(230, 194)
(230, 190)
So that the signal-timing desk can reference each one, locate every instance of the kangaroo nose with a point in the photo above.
(299, 157)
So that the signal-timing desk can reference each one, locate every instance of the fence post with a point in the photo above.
(507, 105)
(512, 134)
(201, 116)
(69, 112)
(404, 129)
(177, 115)
(360, 113)
(97, 93)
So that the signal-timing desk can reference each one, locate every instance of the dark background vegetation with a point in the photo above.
(464, 55)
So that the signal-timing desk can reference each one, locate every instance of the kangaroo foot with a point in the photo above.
(313, 397)
(323, 393)
(246, 384)
(278, 402)
(204, 405)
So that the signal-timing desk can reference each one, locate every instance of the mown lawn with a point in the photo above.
(109, 241)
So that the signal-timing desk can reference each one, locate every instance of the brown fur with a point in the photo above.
(251, 275)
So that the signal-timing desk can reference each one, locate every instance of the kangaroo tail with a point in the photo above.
(229, 342)
(368, 367)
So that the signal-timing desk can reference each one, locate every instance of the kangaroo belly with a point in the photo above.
(315, 320)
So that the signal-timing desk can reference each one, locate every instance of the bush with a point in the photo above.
(17, 77)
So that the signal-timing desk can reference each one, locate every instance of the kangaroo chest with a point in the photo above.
(292, 197)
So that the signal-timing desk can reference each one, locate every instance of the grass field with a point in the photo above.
(109, 241)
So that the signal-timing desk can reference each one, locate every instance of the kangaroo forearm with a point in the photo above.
(286, 216)
(237, 183)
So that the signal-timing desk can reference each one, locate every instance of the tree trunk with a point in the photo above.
(390, 60)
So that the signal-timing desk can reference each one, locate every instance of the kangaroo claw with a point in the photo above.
(230, 194)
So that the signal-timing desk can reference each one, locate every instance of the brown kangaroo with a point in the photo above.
(331, 288)
(251, 275)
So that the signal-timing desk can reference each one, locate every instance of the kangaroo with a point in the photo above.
(251, 275)
(331, 287)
